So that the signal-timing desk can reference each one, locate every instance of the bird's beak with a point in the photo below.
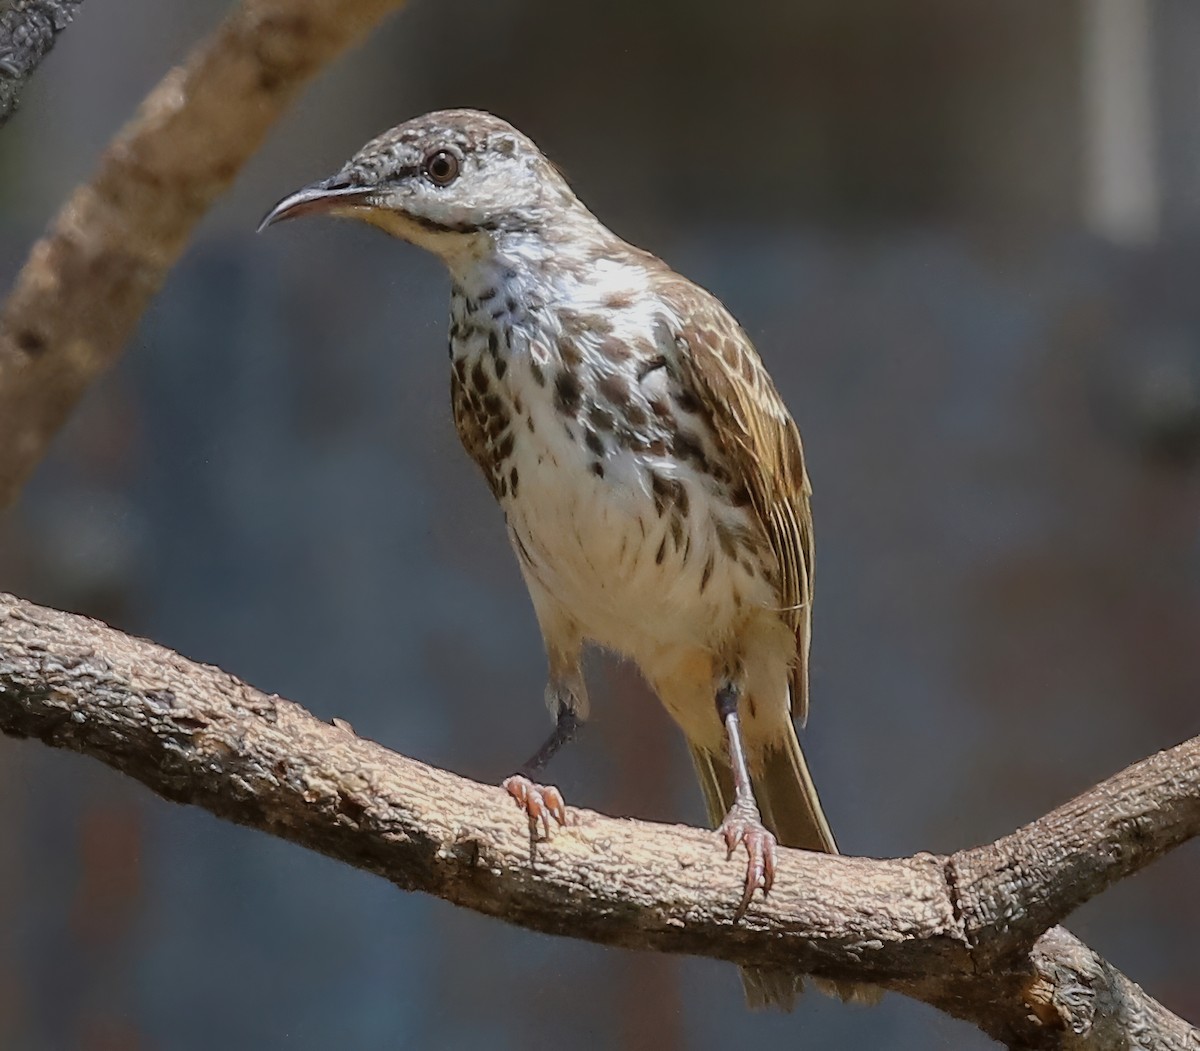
(327, 197)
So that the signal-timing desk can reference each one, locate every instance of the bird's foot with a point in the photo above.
(541, 802)
(743, 827)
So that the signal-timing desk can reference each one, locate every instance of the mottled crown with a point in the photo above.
(501, 180)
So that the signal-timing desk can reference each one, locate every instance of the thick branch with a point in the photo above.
(197, 735)
(1014, 889)
(89, 279)
(28, 29)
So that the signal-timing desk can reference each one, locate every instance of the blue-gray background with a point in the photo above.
(964, 237)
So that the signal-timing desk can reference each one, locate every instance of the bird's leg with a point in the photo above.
(567, 699)
(743, 824)
(543, 802)
(566, 726)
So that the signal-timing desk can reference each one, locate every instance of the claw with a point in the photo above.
(743, 827)
(540, 802)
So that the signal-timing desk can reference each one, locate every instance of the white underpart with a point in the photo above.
(588, 544)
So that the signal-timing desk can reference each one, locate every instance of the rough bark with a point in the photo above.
(89, 279)
(970, 933)
(28, 29)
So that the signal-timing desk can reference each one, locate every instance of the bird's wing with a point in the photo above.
(758, 439)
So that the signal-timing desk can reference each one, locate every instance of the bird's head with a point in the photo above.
(450, 181)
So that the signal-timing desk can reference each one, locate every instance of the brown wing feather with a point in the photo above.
(759, 440)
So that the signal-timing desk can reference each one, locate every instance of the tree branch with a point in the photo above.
(966, 933)
(89, 279)
(1014, 889)
(28, 29)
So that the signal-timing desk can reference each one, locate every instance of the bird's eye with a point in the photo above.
(442, 167)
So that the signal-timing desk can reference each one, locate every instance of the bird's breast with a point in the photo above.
(614, 495)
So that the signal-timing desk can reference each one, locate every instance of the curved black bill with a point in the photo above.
(320, 197)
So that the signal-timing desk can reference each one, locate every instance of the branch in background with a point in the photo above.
(966, 933)
(89, 279)
(28, 29)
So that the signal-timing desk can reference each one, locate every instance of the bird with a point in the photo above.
(652, 480)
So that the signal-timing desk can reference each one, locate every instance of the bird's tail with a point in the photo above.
(790, 808)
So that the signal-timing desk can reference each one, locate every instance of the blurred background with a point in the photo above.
(965, 237)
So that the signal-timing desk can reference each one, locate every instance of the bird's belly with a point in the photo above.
(636, 571)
